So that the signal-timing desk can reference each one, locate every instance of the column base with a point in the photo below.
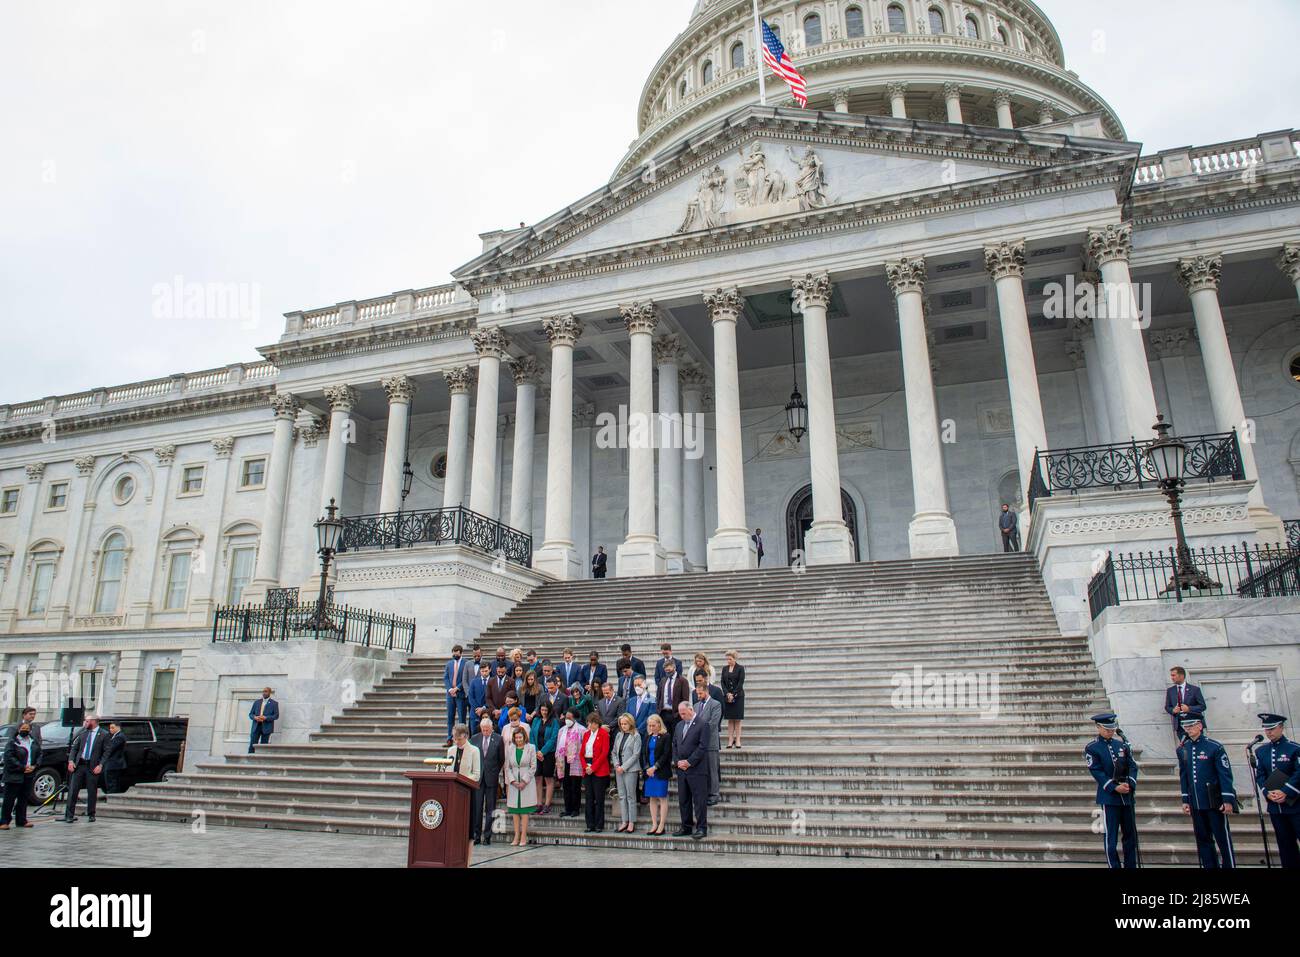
(1270, 528)
(675, 563)
(828, 543)
(638, 559)
(732, 551)
(932, 535)
(559, 560)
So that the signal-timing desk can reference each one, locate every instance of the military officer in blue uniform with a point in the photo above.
(1205, 774)
(1110, 761)
(1281, 754)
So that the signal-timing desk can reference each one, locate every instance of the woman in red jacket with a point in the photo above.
(595, 771)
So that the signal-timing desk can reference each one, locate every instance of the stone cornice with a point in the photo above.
(336, 343)
(1216, 194)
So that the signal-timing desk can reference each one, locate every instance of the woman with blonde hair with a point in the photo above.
(657, 759)
(626, 760)
(521, 784)
(701, 666)
(733, 697)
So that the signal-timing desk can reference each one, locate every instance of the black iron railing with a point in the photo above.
(1293, 532)
(354, 626)
(442, 526)
(1125, 465)
(280, 597)
(1248, 571)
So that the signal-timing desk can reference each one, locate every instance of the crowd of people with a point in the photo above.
(544, 731)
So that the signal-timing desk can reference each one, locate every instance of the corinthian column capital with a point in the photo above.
(400, 388)
(640, 317)
(906, 275)
(459, 381)
(813, 289)
(285, 406)
(342, 398)
(1005, 259)
(724, 305)
(526, 370)
(1200, 272)
(562, 330)
(693, 378)
(1289, 261)
(667, 350)
(1110, 243)
(490, 343)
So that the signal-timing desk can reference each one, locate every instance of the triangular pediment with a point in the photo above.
(767, 168)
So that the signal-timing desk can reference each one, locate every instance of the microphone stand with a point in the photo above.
(1259, 798)
(1119, 732)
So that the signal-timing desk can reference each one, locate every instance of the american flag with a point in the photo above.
(774, 55)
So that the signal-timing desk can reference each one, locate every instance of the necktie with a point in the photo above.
(1180, 694)
(456, 767)
(90, 739)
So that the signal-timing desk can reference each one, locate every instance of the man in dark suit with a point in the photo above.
(85, 765)
(610, 707)
(556, 698)
(708, 710)
(29, 718)
(114, 759)
(672, 691)
(483, 802)
(264, 713)
(1009, 526)
(1181, 697)
(599, 562)
(477, 694)
(757, 539)
(690, 749)
(593, 671)
(570, 671)
(638, 666)
(498, 688)
(666, 655)
(455, 683)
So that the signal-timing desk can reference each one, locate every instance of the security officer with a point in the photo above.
(1281, 754)
(1110, 761)
(1205, 774)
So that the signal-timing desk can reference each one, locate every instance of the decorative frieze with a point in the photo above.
(562, 330)
(1110, 243)
(1005, 260)
(399, 388)
(459, 381)
(906, 275)
(1200, 272)
(640, 317)
(1140, 521)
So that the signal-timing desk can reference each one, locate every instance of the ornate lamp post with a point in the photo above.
(1167, 456)
(329, 530)
(796, 410)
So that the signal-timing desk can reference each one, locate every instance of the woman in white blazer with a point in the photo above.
(625, 760)
(521, 783)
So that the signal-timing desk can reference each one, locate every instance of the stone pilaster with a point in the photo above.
(641, 552)
(557, 556)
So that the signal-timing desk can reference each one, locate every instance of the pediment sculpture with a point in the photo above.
(758, 190)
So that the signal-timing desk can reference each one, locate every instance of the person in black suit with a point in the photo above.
(593, 671)
(599, 562)
(570, 671)
(29, 718)
(757, 539)
(1182, 697)
(673, 690)
(638, 666)
(483, 802)
(666, 651)
(114, 759)
(85, 765)
(733, 703)
(21, 755)
(692, 760)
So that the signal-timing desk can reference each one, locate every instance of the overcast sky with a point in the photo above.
(317, 151)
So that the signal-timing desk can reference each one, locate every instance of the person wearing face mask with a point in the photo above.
(21, 755)
(568, 763)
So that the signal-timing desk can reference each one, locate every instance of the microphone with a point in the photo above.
(1258, 738)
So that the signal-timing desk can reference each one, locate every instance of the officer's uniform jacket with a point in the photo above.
(1282, 754)
(1202, 763)
(1101, 756)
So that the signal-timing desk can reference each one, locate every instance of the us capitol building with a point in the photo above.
(915, 254)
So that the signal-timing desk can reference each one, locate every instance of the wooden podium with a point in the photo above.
(439, 825)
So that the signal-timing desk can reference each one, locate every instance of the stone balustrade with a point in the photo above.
(398, 305)
(1235, 156)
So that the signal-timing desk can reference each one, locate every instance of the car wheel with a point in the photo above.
(45, 784)
(164, 774)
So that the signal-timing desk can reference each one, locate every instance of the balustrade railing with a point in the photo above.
(1292, 532)
(1125, 465)
(442, 526)
(341, 623)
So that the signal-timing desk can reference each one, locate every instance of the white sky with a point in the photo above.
(322, 151)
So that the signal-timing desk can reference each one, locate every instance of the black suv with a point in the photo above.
(153, 751)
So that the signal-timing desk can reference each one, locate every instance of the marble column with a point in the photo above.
(1093, 427)
(343, 432)
(1082, 327)
(827, 541)
(693, 381)
(267, 571)
(641, 552)
(840, 100)
(730, 547)
(952, 99)
(459, 382)
(1046, 112)
(931, 532)
(1120, 332)
(491, 346)
(401, 391)
(668, 354)
(1200, 277)
(1002, 100)
(1170, 348)
(526, 371)
(1005, 262)
(1289, 263)
(897, 93)
(557, 556)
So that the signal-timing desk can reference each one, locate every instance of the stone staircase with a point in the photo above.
(830, 765)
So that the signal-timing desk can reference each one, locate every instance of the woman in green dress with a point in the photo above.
(521, 784)
(583, 700)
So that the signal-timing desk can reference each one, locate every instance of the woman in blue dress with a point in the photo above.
(657, 760)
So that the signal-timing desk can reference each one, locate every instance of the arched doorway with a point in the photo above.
(799, 518)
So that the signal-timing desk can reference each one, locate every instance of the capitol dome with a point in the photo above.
(987, 63)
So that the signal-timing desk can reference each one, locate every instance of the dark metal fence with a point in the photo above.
(1125, 465)
(442, 526)
(354, 626)
(1251, 571)
(1293, 532)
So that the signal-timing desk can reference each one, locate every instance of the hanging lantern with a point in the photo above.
(796, 415)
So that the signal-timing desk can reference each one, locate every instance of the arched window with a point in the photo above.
(706, 73)
(812, 30)
(1002, 36)
(854, 26)
(681, 89)
(897, 19)
(112, 565)
(936, 20)
(972, 28)
(738, 56)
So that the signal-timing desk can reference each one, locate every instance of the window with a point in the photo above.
(897, 21)
(438, 467)
(241, 573)
(178, 581)
(90, 689)
(112, 564)
(1002, 36)
(253, 473)
(812, 30)
(160, 699)
(192, 480)
(42, 579)
(972, 28)
(738, 56)
(9, 501)
(706, 73)
(1295, 368)
(681, 89)
(58, 496)
(854, 25)
(123, 490)
(936, 20)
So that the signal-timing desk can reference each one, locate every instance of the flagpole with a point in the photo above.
(758, 55)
